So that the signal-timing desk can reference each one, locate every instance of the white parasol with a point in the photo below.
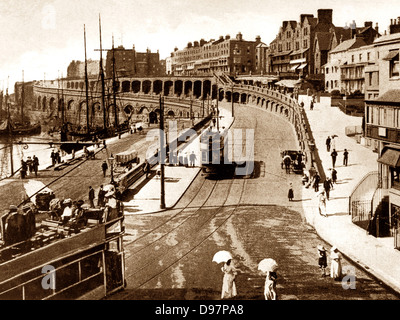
(268, 265)
(222, 256)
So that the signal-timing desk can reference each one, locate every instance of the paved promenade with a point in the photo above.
(377, 255)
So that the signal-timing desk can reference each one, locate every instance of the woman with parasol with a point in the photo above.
(230, 272)
(269, 266)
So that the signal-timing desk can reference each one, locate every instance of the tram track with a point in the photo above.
(191, 240)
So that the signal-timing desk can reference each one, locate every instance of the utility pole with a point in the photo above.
(161, 155)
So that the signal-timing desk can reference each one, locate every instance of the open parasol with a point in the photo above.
(268, 265)
(222, 256)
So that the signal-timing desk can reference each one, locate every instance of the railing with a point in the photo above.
(361, 198)
(297, 118)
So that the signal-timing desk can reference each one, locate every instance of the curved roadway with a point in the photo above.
(169, 254)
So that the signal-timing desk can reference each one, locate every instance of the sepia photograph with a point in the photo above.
(217, 152)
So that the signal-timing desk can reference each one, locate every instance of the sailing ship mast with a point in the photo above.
(103, 105)
(86, 87)
(114, 87)
(22, 99)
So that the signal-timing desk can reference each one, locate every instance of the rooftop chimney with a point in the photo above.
(325, 16)
(258, 39)
(394, 26)
(227, 37)
(239, 36)
(368, 24)
(377, 27)
(202, 42)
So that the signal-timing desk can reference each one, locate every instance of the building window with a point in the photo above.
(288, 34)
(360, 57)
(327, 70)
(394, 66)
(297, 45)
(395, 175)
(288, 46)
(368, 56)
(304, 43)
(370, 78)
(352, 58)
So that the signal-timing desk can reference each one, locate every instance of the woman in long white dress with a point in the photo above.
(228, 283)
(270, 286)
(336, 264)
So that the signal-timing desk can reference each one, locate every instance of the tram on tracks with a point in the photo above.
(217, 155)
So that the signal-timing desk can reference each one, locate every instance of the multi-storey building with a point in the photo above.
(382, 122)
(229, 55)
(345, 68)
(302, 47)
(76, 69)
(130, 63)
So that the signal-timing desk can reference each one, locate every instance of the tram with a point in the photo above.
(217, 155)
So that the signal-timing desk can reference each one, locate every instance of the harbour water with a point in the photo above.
(21, 147)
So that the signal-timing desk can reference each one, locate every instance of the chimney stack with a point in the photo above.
(377, 27)
(325, 16)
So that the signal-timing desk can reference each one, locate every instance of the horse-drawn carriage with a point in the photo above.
(292, 161)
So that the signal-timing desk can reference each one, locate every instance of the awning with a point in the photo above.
(294, 67)
(391, 55)
(391, 158)
(303, 65)
(289, 83)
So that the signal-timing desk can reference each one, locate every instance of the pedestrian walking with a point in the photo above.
(334, 175)
(336, 264)
(322, 204)
(228, 282)
(35, 165)
(53, 158)
(23, 169)
(100, 197)
(328, 144)
(91, 197)
(317, 179)
(312, 172)
(311, 105)
(291, 192)
(104, 167)
(287, 161)
(322, 261)
(146, 168)
(192, 159)
(327, 187)
(333, 143)
(270, 286)
(334, 155)
(345, 157)
(305, 179)
(302, 104)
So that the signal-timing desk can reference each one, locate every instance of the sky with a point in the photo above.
(40, 38)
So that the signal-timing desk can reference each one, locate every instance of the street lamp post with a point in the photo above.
(161, 155)
(232, 102)
(111, 159)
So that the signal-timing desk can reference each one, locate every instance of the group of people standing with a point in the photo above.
(30, 166)
(336, 262)
(331, 144)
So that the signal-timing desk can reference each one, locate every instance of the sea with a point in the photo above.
(14, 149)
